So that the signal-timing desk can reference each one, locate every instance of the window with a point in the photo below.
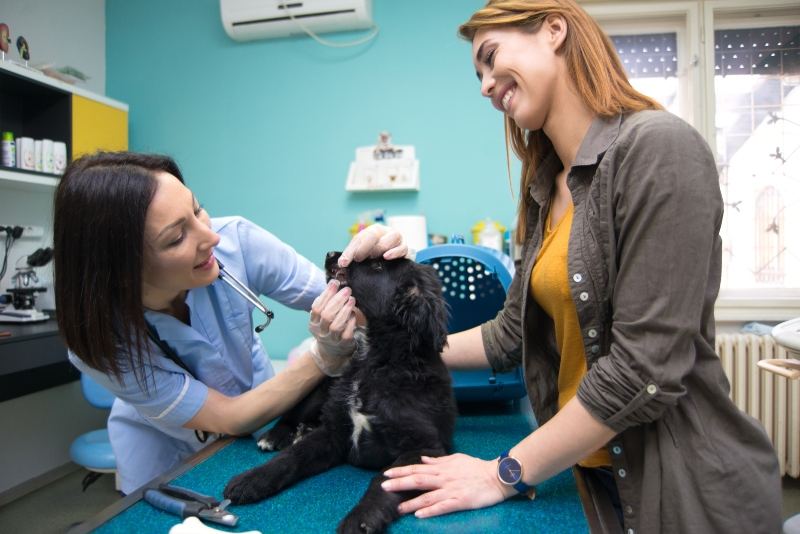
(651, 61)
(734, 74)
(757, 94)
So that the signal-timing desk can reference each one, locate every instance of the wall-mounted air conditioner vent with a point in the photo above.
(246, 20)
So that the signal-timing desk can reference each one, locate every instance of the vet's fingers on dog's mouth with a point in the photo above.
(322, 300)
(339, 323)
(324, 312)
(350, 328)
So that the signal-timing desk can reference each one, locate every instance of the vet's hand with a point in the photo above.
(332, 324)
(373, 241)
(456, 482)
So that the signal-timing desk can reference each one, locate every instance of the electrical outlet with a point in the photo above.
(28, 231)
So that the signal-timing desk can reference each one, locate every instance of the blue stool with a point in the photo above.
(475, 281)
(92, 450)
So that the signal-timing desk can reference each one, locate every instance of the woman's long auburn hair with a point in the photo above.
(594, 69)
(99, 215)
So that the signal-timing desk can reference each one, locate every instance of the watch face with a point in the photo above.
(509, 471)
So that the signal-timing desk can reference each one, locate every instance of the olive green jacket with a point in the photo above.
(644, 261)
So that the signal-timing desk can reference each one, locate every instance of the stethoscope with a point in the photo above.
(245, 292)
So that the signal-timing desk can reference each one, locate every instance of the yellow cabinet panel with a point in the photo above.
(97, 126)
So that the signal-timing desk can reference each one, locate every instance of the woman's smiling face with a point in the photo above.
(519, 70)
(179, 242)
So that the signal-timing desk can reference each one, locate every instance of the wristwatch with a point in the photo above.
(509, 471)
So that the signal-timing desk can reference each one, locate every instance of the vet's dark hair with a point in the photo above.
(98, 243)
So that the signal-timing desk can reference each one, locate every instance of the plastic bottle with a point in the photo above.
(491, 237)
(9, 150)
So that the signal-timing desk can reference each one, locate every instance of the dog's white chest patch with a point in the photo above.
(360, 421)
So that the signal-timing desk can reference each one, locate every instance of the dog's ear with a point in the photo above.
(419, 306)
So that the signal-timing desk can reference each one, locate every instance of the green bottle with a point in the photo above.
(9, 150)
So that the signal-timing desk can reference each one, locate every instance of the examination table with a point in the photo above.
(319, 503)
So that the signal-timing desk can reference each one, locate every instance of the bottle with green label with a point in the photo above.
(9, 150)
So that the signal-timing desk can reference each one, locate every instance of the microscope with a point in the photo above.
(18, 305)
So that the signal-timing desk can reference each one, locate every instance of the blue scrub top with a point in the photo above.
(220, 348)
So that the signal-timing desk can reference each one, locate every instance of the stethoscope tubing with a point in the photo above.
(245, 292)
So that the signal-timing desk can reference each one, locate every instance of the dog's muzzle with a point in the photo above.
(332, 269)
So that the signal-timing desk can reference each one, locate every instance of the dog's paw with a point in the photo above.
(281, 436)
(360, 523)
(277, 438)
(248, 487)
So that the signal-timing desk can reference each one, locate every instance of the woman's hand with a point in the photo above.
(332, 324)
(456, 482)
(373, 241)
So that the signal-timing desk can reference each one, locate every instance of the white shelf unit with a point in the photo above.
(38, 76)
(27, 181)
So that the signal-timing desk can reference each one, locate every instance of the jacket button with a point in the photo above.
(584, 296)
(578, 277)
(616, 449)
(630, 531)
(592, 333)
(652, 389)
(622, 473)
(595, 349)
(629, 510)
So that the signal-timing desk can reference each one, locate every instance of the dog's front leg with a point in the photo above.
(378, 507)
(316, 453)
(298, 422)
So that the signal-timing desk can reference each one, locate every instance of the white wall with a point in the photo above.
(38, 428)
(61, 33)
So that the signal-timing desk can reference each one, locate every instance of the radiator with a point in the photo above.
(773, 400)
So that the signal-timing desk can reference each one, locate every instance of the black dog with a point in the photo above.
(393, 404)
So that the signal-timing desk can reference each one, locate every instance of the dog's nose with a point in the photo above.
(332, 259)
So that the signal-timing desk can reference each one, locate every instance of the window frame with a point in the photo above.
(695, 23)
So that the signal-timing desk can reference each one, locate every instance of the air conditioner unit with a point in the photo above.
(245, 20)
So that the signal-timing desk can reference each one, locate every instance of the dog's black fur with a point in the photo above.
(396, 379)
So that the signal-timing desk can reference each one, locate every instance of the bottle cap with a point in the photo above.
(8, 136)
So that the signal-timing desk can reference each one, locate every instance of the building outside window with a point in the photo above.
(731, 68)
(757, 93)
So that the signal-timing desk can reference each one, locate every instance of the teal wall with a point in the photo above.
(267, 129)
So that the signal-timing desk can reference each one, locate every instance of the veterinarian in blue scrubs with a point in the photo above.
(136, 277)
(611, 314)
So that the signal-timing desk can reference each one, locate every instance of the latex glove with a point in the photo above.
(454, 482)
(373, 241)
(332, 324)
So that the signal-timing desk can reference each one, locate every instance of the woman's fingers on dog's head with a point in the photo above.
(357, 249)
(373, 242)
(392, 246)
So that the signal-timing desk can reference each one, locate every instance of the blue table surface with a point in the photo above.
(319, 503)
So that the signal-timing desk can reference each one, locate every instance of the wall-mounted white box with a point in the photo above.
(371, 173)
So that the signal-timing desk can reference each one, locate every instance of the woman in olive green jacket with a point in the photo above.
(639, 397)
